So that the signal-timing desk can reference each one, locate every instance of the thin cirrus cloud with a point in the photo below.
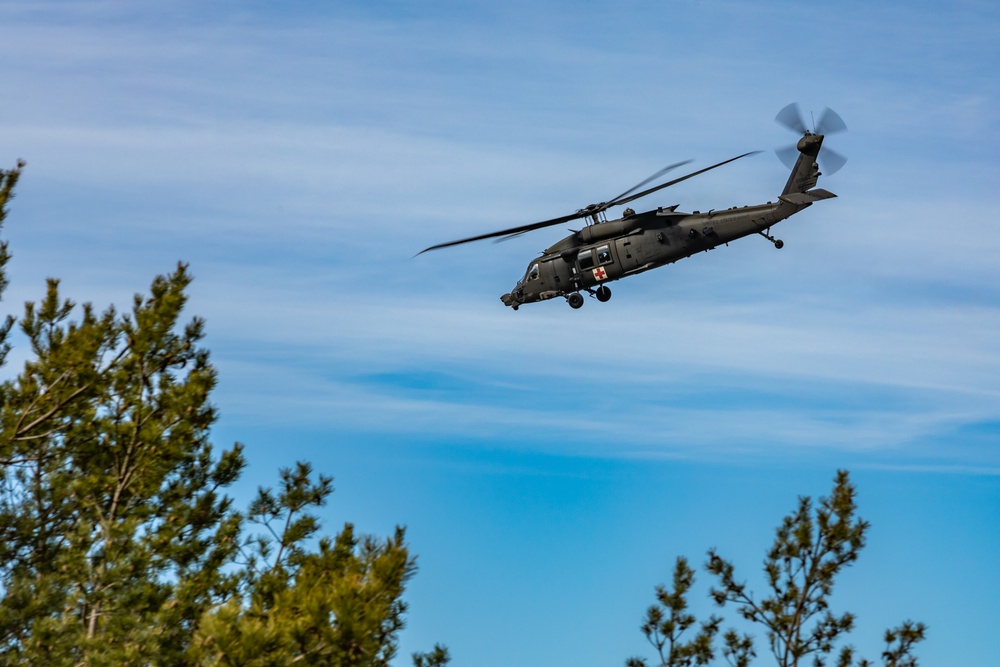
(311, 169)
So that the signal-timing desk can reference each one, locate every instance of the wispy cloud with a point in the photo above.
(301, 163)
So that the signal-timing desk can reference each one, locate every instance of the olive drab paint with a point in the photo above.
(608, 250)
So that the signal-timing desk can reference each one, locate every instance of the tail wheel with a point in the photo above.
(603, 293)
(575, 300)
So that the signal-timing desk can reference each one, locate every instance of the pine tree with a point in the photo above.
(118, 545)
(812, 547)
(669, 619)
(115, 530)
(289, 594)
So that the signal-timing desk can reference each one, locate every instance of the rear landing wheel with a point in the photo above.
(603, 293)
(778, 243)
(575, 300)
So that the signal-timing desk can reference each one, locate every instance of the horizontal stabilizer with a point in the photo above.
(808, 197)
(820, 193)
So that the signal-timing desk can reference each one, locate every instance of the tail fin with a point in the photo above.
(805, 173)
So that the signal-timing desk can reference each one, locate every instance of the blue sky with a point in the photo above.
(551, 463)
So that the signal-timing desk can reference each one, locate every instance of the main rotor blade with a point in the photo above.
(639, 195)
(635, 187)
(582, 213)
(593, 209)
(791, 117)
(510, 232)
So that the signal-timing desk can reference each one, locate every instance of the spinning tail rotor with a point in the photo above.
(829, 123)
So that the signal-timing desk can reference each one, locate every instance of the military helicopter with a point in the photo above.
(607, 250)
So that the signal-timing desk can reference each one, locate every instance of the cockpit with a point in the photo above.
(531, 274)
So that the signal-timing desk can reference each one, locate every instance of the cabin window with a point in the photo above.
(604, 255)
(533, 273)
(586, 259)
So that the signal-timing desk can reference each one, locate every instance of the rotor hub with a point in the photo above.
(810, 144)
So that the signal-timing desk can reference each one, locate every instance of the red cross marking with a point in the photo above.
(600, 273)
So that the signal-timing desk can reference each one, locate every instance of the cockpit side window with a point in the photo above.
(586, 259)
(532, 273)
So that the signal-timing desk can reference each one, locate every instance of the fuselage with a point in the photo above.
(608, 251)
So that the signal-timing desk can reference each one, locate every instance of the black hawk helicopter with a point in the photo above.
(607, 250)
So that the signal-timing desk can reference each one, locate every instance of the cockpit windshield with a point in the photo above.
(532, 273)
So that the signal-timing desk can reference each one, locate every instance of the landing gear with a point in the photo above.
(778, 243)
(575, 299)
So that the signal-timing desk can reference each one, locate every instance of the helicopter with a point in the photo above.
(607, 250)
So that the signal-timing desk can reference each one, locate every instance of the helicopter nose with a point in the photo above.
(514, 298)
(511, 298)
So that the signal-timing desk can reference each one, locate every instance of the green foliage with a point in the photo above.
(118, 545)
(436, 658)
(339, 605)
(8, 179)
(812, 547)
(899, 643)
(115, 533)
(668, 619)
(801, 569)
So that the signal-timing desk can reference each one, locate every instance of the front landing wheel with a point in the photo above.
(575, 300)
(603, 294)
